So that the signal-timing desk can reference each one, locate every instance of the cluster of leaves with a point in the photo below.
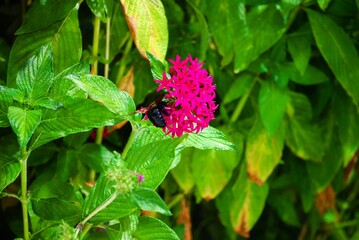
(286, 76)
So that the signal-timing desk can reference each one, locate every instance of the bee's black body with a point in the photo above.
(155, 114)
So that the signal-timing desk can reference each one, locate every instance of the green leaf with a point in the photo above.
(150, 228)
(255, 37)
(65, 39)
(338, 51)
(63, 87)
(347, 118)
(204, 32)
(263, 152)
(103, 90)
(247, 203)
(102, 191)
(323, 4)
(67, 43)
(303, 137)
(157, 67)
(10, 169)
(23, 122)
(124, 229)
(57, 201)
(182, 173)
(66, 165)
(149, 200)
(148, 25)
(223, 18)
(96, 156)
(272, 117)
(100, 8)
(299, 47)
(44, 13)
(35, 79)
(205, 162)
(152, 160)
(208, 138)
(322, 173)
(80, 115)
(285, 208)
(239, 87)
(5, 102)
(310, 76)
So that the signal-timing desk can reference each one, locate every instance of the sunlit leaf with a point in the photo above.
(148, 25)
(103, 90)
(23, 122)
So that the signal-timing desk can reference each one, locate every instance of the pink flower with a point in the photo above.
(189, 95)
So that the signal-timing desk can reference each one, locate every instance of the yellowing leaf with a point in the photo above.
(148, 25)
(263, 153)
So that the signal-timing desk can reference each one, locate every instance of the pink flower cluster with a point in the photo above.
(190, 94)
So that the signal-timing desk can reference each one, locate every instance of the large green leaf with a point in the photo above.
(157, 67)
(239, 87)
(149, 200)
(272, 117)
(247, 203)
(36, 78)
(57, 201)
(256, 37)
(103, 90)
(80, 115)
(338, 51)
(23, 122)
(66, 165)
(224, 19)
(263, 152)
(211, 161)
(65, 39)
(44, 13)
(152, 160)
(285, 208)
(150, 228)
(311, 75)
(148, 25)
(10, 169)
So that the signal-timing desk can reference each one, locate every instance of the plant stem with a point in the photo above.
(238, 110)
(107, 51)
(24, 200)
(129, 142)
(96, 211)
(95, 44)
(94, 70)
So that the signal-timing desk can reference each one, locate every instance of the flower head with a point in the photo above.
(189, 97)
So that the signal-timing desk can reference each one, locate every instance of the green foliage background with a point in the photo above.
(287, 80)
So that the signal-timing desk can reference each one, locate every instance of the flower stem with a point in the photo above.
(107, 51)
(94, 70)
(238, 110)
(24, 200)
(95, 45)
(81, 225)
